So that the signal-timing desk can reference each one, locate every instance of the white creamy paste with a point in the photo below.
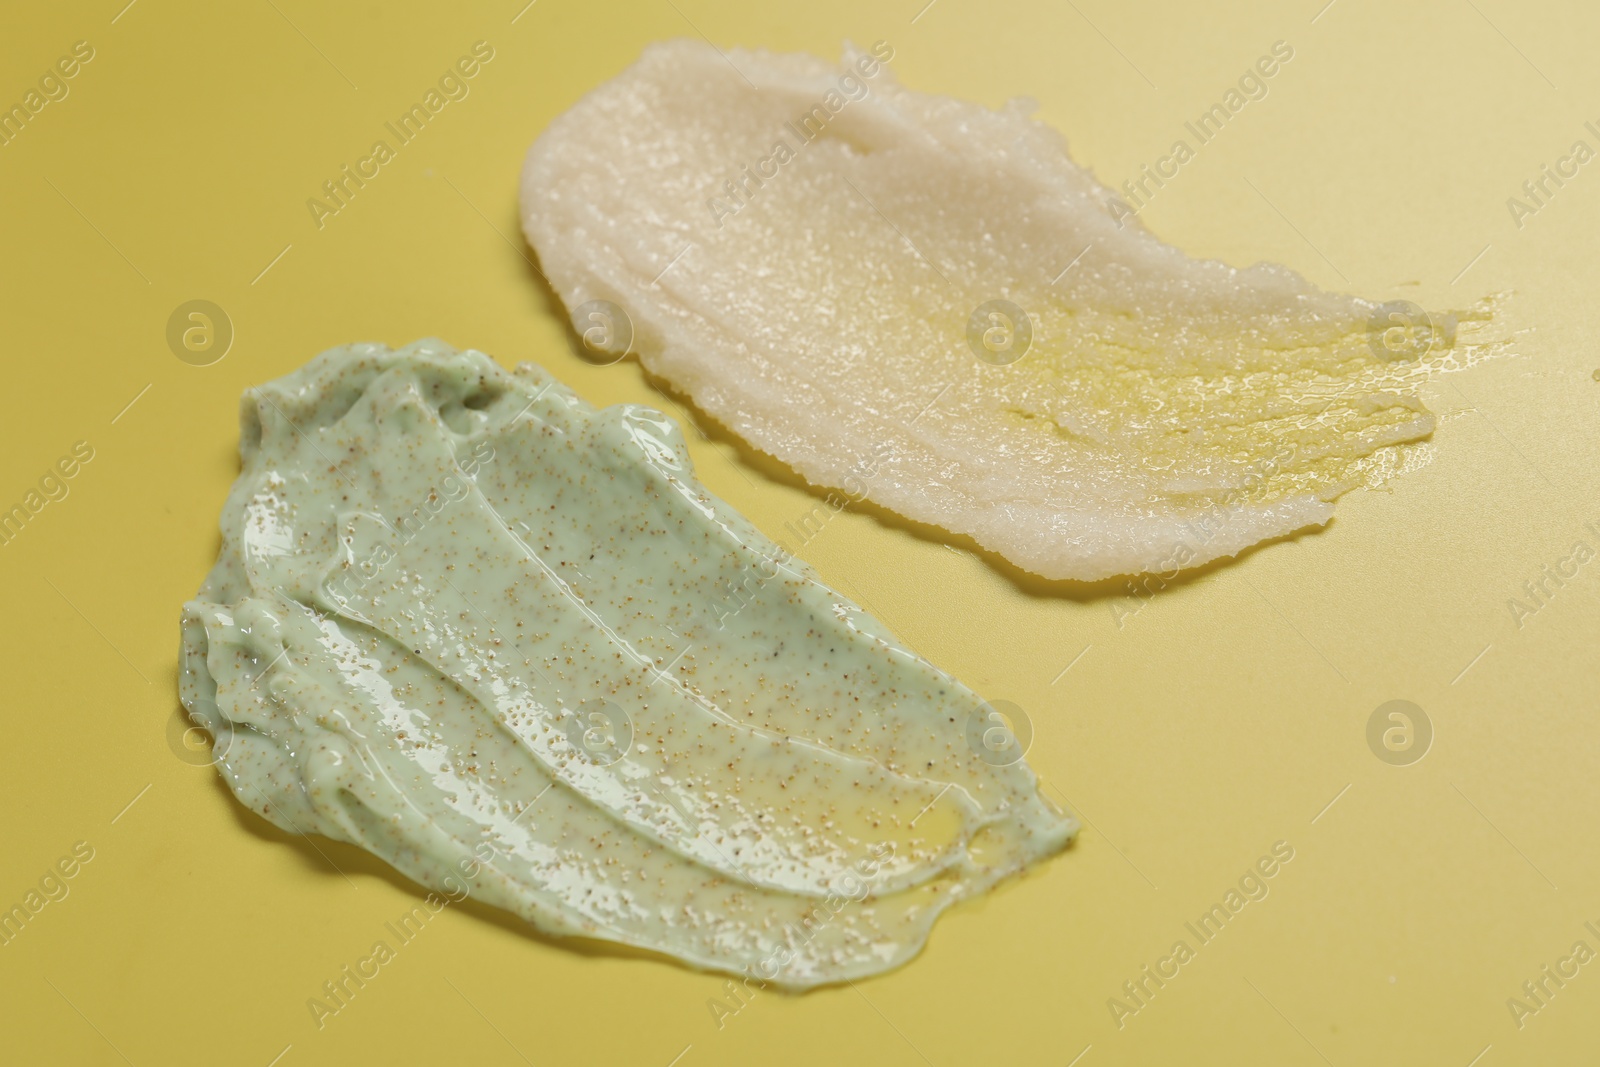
(813, 253)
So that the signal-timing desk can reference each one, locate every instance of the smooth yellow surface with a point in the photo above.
(1222, 717)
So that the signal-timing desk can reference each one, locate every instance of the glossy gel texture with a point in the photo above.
(503, 640)
(814, 253)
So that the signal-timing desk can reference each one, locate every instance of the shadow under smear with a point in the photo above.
(553, 304)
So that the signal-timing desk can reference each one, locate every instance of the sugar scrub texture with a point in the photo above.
(843, 271)
(510, 645)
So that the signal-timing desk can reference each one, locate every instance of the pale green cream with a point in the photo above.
(509, 644)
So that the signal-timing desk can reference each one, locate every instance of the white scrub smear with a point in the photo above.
(510, 645)
(852, 275)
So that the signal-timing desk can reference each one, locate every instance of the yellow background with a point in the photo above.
(1221, 718)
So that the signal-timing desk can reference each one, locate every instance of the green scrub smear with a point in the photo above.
(511, 646)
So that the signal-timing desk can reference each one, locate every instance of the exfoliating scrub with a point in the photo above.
(508, 643)
(841, 270)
